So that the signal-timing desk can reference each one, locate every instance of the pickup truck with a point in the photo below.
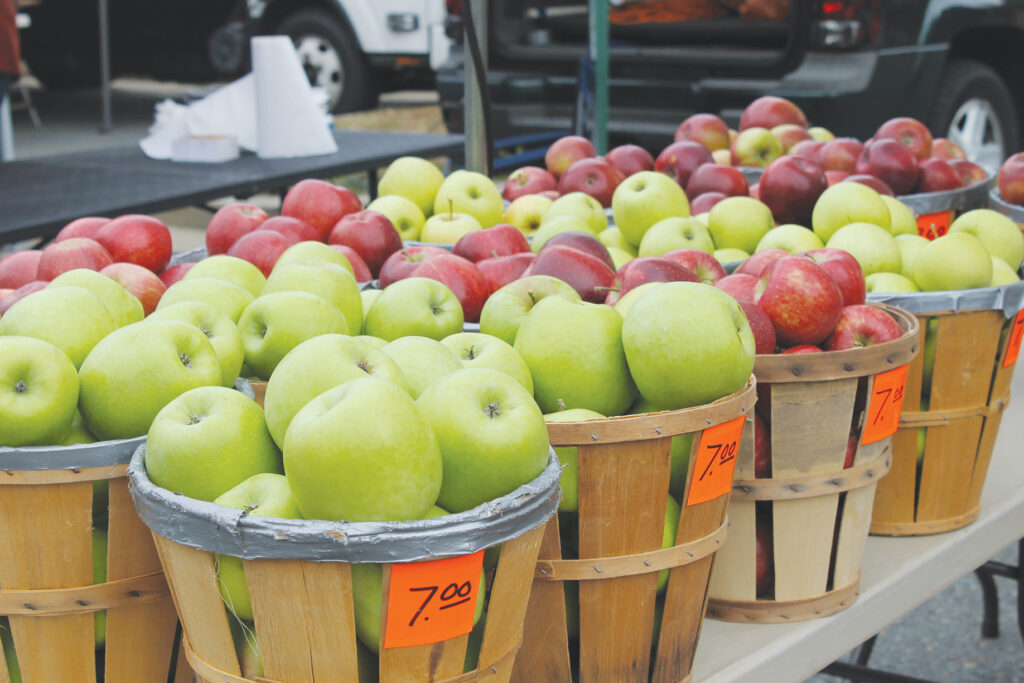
(850, 64)
(351, 48)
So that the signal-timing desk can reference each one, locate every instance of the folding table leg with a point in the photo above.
(990, 600)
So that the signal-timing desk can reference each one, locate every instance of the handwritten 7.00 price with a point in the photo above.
(886, 404)
(885, 396)
(451, 591)
(715, 461)
(722, 453)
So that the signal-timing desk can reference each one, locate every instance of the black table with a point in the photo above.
(40, 196)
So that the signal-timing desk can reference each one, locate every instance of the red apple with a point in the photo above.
(790, 186)
(756, 264)
(360, 270)
(564, 151)
(1011, 179)
(739, 286)
(891, 162)
(588, 275)
(764, 573)
(371, 234)
(871, 181)
(682, 158)
(4, 291)
(851, 451)
(943, 148)
(500, 240)
(970, 173)
(860, 326)
(647, 269)
(704, 202)
(76, 252)
(592, 176)
(502, 270)
(400, 265)
(755, 191)
(770, 111)
(581, 241)
(135, 238)
(801, 298)
(808, 149)
(292, 227)
(702, 264)
(717, 178)
(550, 194)
(262, 248)
(19, 268)
(462, 277)
(140, 282)
(840, 154)
(707, 129)
(81, 227)
(844, 269)
(630, 159)
(789, 134)
(937, 176)
(762, 448)
(169, 276)
(230, 223)
(320, 203)
(21, 292)
(761, 326)
(910, 133)
(528, 180)
(803, 348)
(834, 177)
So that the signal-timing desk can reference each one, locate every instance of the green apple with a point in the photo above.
(309, 250)
(703, 217)
(478, 350)
(415, 306)
(227, 297)
(668, 535)
(679, 462)
(261, 495)
(581, 205)
(38, 392)
(874, 247)
(403, 213)
(207, 441)
(674, 233)
(626, 302)
(276, 323)
(448, 227)
(889, 282)
(846, 203)
(329, 281)
(80, 435)
(931, 335)
(319, 364)
(612, 238)
(1002, 274)
(755, 146)
(363, 451)
(789, 237)
(124, 308)
(901, 218)
(910, 247)
(1000, 235)
(730, 255)
(71, 318)
(957, 260)
(473, 193)
(415, 179)
(677, 363)
(491, 433)
(233, 269)
(505, 309)
(619, 257)
(567, 455)
(526, 213)
(574, 352)
(422, 361)
(367, 297)
(555, 226)
(222, 333)
(739, 223)
(643, 199)
(375, 342)
(99, 575)
(820, 134)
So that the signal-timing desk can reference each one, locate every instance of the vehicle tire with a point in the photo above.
(975, 109)
(331, 57)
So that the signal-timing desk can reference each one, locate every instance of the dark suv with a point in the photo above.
(956, 65)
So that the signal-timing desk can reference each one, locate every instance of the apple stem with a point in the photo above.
(494, 253)
(185, 360)
(470, 354)
(561, 405)
(493, 410)
(20, 386)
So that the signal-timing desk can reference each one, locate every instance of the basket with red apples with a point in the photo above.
(1008, 195)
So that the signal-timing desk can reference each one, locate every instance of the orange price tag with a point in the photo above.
(716, 460)
(432, 601)
(1016, 332)
(932, 225)
(885, 405)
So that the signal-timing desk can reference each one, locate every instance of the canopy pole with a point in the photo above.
(473, 108)
(599, 31)
(104, 16)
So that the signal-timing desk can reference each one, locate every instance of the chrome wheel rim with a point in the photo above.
(322, 65)
(975, 127)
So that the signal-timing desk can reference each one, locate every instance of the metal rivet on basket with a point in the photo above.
(848, 368)
(594, 437)
(81, 603)
(542, 571)
(598, 569)
(28, 605)
(647, 563)
(658, 430)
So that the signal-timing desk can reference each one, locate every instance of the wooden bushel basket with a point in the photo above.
(46, 570)
(819, 512)
(301, 589)
(623, 485)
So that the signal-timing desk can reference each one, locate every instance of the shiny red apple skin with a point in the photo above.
(834, 177)
(647, 269)
(400, 265)
(593, 176)
(680, 159)
(501, 270)
(262, 248)
(808, 149)
(76, 252)
(461, 276)
(588, 275)
(845, 271)
(707, 129)
(756, 264)
(790, 186)
(230, 223)
(739, 286)
(705, 201)
(761, 326)
(755, 191)
(291, 227)
(581, 241)
(320, 203)
(1011, 179)
(528, 180)
(861, 326)
(500, 240)
(876, 184)
(630, 159)
(702, 264)
(20, 293)
(801, 298)
(970, 173)
(851, 451)
(770, 111)
(909, 132)
(790, 134)
(802, 348)
(937, 175)
(360, 270)
(139, 239)
(140, 282)
(564, 151)
(762, 448)
(891, 162)
(86, 226)
(943, 148)
(764, 574)
(19, 268)
(174, 273)
(717, 178)
(840, 154)
(371, 234)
